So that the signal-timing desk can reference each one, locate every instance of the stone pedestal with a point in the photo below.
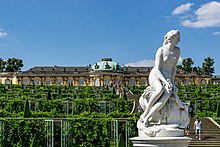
(160, 141)
(160, 131)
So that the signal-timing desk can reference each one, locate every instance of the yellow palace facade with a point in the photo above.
(104, 72)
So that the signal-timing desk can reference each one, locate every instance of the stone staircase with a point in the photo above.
(210, 134)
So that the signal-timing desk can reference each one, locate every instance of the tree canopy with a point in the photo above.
(186, 65)
(11, 65)
(2, 64)
(207, 66)
(206, 69)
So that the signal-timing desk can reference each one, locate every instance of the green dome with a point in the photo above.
(107, 64)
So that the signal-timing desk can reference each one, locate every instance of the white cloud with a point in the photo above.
(208, 15)
(142, 63)
(216, 33)
(182, 8)
(3, 34)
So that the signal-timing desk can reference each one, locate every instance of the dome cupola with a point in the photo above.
(106, 64)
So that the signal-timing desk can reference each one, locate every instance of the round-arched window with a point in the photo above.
(131, 82)
(60, 82)
(70, 82)
(7, 81)
(36, 82)
(25, 81)
(81, 82)
(143, 82)
(107, 81)
(48, 81)
(96, 82)
(203, 81)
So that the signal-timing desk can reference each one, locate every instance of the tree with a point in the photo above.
(197, 70)
(207, 66)
(2, 65)
(49, 94)
(187, 64)
(27, 112)
(113, 90)
(124, 94)
(179, 66)
(59, 92)
(13, 65)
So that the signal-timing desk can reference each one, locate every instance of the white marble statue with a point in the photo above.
(160, 101)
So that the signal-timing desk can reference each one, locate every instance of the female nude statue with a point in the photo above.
(161, 78)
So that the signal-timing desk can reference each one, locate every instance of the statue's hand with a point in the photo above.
(168, 85)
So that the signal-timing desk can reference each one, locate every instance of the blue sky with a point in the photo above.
(81, 32)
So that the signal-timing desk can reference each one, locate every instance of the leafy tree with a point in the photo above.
(27, 112)
(179, 66)
(124, 94)
(4, 90)
(113, 90)
(33, 85)
(198, 70)
(187, 64)
(13, 65)
(59, 92)
(2, 64)
(49, 94)
(207, 66)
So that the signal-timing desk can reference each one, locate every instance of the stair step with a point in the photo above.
(213, 130)
(201, 145)
(210, 134)
(205, 141)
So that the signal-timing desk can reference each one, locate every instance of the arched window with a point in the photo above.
(96, 82)
(7, 81)
(131, 82)
(70, 82)
(25, 81)
(81, 82)
(60, 82)
(48, 81)
(36, 82)
(203, 81)
(117, 81)
(143, 82)
(107, 81)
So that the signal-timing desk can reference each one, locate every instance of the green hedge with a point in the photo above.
(89, 126)
(20, 132)
(81, 132)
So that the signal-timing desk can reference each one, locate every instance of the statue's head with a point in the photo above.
(173, 36)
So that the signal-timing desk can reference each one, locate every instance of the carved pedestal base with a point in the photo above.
(162, 133)
(160, 141)
(159, 131)
(160, 136)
